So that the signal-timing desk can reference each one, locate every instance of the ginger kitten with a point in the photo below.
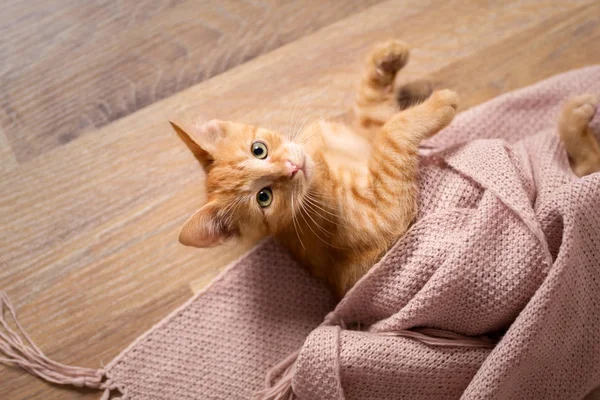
(336, 196)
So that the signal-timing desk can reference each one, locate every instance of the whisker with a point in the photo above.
(294, 221)
(229, 209)
(330, 198)
(322, 202)
(306, 139)
(314, 134)
(321, 195)
(315, 233)
(307, 224)
(308, 209)
(303, 123)
(295, 132)
(319, 205)
(316, 211)
(312, 114)
(312, 99)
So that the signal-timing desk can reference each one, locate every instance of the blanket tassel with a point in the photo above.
(282, 389)
(283, 372)
(19, 349)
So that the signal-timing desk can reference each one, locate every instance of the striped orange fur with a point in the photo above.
(341, 195)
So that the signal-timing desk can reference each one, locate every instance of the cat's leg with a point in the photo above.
(573, 127)
(396, 146)
(411, 126)
(394, 160)
(375, 100)
(388, 197)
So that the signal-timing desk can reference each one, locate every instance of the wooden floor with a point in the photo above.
(94, 184)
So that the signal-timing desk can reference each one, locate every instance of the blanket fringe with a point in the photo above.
(282, 389)
(18, 349)
(284, 370)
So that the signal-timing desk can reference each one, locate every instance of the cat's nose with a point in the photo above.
(293, 168)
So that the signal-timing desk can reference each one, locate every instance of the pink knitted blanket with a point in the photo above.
(503, 262)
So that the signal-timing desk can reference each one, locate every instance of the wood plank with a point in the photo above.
(71, 66)
(89, 248)
(561, 43)
(8, 161)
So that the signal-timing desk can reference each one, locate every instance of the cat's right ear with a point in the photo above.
(200, 139)
(207, 227)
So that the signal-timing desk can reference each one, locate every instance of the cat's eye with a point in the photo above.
(259, 150)
(264, 197)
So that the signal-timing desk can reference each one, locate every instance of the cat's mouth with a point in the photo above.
(296, 171)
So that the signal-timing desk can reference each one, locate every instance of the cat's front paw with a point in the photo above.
(445, 98)
(388, 58)
(444, 104)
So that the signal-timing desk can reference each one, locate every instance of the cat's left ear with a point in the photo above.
(208, 227)
(201, 139)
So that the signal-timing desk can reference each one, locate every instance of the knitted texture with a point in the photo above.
(506, 244)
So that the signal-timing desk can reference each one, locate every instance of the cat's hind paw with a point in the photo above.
(580, 143)
(579, 111)
(388, 58)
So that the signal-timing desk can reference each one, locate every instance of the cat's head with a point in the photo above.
(255, 179)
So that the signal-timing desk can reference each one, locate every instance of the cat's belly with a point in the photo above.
(346, 149)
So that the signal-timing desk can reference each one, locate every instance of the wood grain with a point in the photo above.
(70, 67)
(8, 161)
(563, 42)
(89, 250)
